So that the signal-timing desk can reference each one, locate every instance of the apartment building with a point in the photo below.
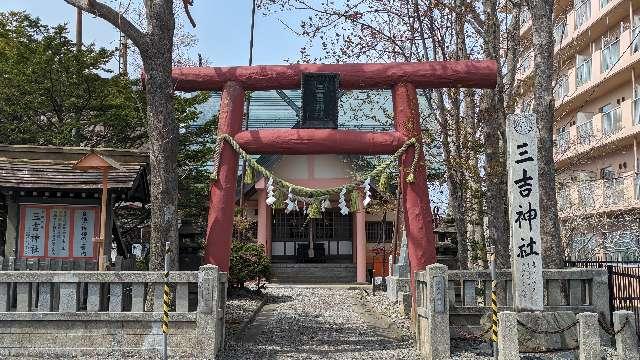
(597, 124)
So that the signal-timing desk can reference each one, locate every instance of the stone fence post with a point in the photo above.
(600, 286)
(433, 313)
(627, 339)
(209, 338)
(589, 336)
(508, 348)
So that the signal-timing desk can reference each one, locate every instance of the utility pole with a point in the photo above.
(123, 54)
(78, 28)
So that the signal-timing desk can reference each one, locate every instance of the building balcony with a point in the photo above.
(584, 197)
(595, 133)
(583, 23)
(599, 72)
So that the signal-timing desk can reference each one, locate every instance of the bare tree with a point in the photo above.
(469, 127)
(543, 107)
(155, 45)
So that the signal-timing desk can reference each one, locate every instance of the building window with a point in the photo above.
(525, 16)
(525, 63)
(621, 245)
(611, 119)
(374, 231)
(561, 89)
(635, 34)
(604, 3)
(583, 247)
(585, 194)
(583, 12)
(636, 105)
(560, 32)
(610, 49)
(562, 139)
(564, 199)
(583, 70)
(585, 128)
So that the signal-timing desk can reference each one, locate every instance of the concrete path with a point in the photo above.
(319, 323)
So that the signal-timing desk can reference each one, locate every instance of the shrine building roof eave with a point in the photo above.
(50, 168)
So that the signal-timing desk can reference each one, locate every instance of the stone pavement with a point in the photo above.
(318, 323)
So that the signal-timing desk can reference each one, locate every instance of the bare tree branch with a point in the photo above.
(186, 4)
(112, 16)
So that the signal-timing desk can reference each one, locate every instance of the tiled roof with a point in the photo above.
(45, 167)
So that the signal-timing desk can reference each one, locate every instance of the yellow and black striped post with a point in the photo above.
(166, 302)
(494, 306)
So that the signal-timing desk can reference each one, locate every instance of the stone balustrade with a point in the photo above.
(576, 290)
(454, 303)
(90, 313)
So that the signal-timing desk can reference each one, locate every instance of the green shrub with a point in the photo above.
(248, 262)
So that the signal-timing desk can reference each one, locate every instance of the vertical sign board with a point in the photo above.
(320, 100)
(524, 211)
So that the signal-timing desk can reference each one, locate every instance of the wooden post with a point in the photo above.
(103, 220)
(415, 195)
(223, 190)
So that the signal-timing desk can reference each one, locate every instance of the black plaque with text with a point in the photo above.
(320, 100)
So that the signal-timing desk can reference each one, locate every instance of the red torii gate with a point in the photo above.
(401, 78)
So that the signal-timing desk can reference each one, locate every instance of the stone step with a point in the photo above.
(313, 273)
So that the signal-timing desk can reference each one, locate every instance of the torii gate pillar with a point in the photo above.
(415, 195)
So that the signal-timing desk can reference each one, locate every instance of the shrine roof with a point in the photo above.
(48, 167)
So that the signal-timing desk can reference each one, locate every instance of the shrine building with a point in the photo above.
(49, 210)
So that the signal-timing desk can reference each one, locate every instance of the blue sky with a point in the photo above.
(222, 29)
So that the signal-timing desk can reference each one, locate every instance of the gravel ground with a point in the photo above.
(240, 305)
(308, 323)
(312, 323)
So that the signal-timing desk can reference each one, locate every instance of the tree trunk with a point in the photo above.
(543, 107)
(156, 50)
(163, 132)
(494, 119)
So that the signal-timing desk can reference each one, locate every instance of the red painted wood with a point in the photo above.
(428, 74)
(223, 190)
(421, 240)
(319, 141)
